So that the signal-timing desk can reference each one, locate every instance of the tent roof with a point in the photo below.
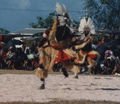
(109, 32)
(29, 31)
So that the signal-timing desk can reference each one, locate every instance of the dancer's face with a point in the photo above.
(86, 30)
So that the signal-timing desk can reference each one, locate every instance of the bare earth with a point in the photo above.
(25, 87)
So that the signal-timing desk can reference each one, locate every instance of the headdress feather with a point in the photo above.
(86, 23)
(63, 13)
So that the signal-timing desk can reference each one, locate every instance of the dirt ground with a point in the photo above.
(23, 88)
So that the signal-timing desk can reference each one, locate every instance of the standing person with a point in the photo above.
(87, 29)
(33, 47)
(57, 50)
(10, 57)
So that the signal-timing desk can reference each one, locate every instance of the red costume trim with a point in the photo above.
(62, 56)
(92, 55)
(100, 43)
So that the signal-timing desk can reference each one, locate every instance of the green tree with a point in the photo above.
(76, 24)
(48, 21)
(43, 23)
(3, 31)
(107, 13)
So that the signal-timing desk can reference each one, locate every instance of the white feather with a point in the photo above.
(89, 23)
(82, 25)
(66, 11)
(59, 9)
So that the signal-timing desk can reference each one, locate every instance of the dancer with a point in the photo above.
(56, 46)
(86, 29)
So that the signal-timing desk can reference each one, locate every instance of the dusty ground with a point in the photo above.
(25, 88)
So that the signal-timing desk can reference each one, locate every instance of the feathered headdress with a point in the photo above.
(63, 14)
(86, 23)
(59, 29)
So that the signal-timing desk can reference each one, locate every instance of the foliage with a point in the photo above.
(76, 24)
(106, 13)
(43, 23)
(3, 31)
(48, 21)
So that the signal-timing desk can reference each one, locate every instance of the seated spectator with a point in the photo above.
(106, 69)
(10, 57)
(20, 58)
(27, 51)
(2, 58)
(94, 46)
(102, 41)
(109, 52)
(33, 47)
(107, 66)
(30, 60)
(117, 67)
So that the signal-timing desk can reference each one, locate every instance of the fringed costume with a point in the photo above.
(56, 49)
(86, 28)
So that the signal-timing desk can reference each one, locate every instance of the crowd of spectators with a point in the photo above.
(27, 58)
(108, 64)
(19, 57)
(109, 60)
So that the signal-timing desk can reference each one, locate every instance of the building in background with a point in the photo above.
(28, 33)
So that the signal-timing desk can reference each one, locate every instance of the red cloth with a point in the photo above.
(62, 56)
(100, 43)
(0, 37)
(92, 56)
(4, 55)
